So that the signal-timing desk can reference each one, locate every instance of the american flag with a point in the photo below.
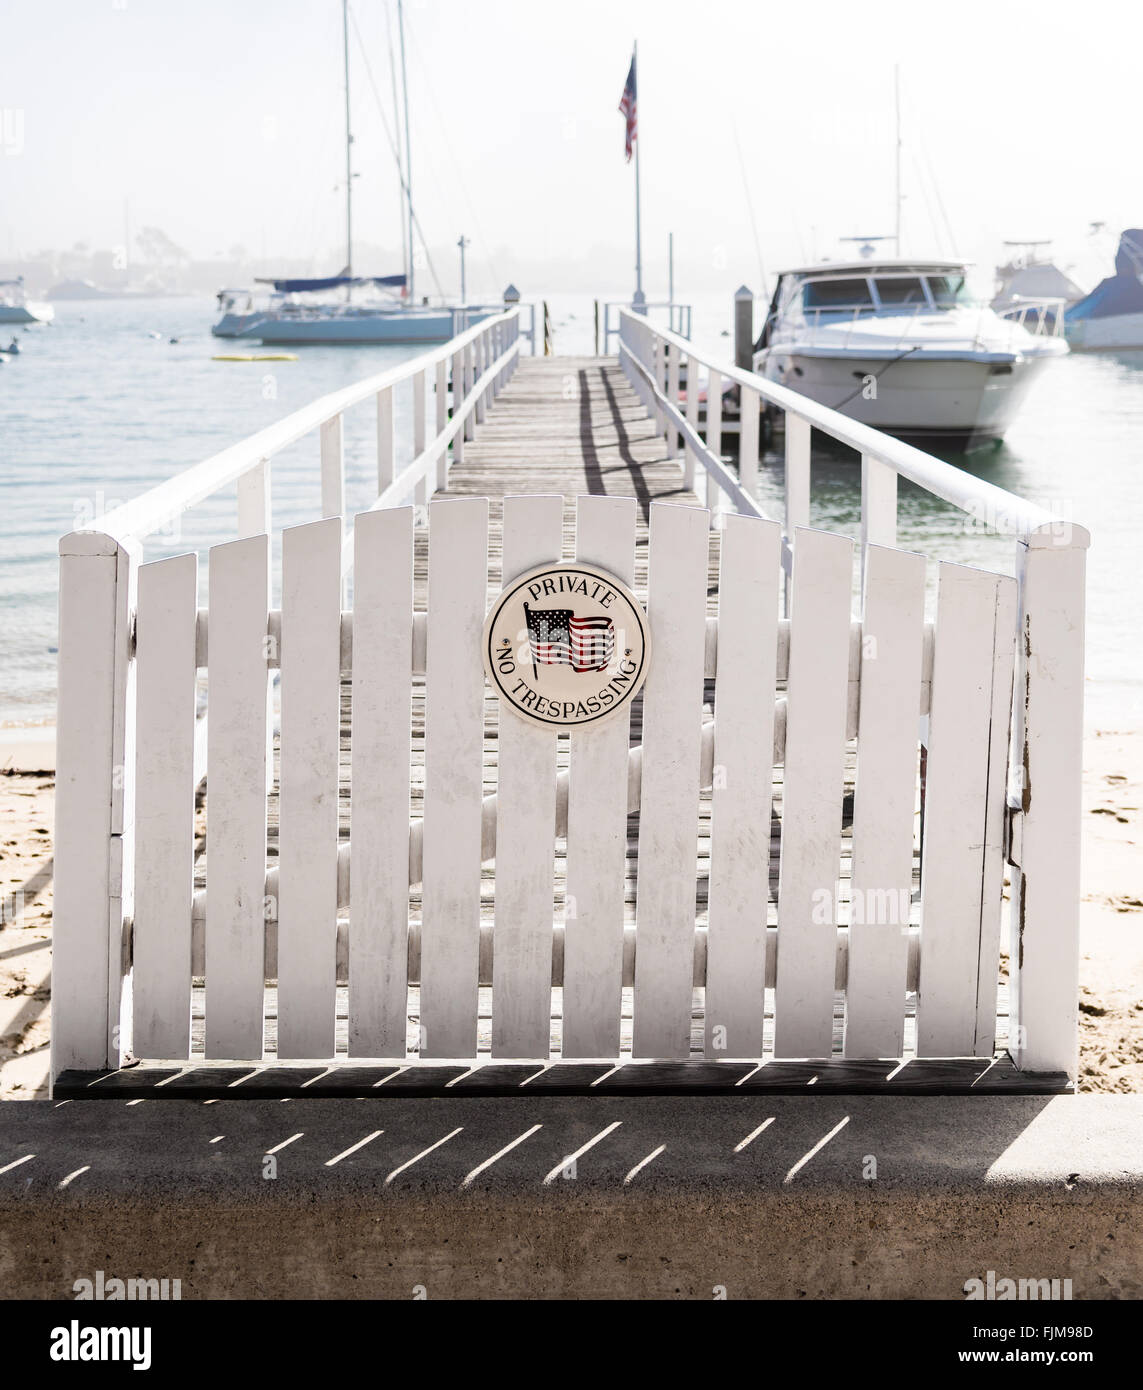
(558, 638)
(627, 108)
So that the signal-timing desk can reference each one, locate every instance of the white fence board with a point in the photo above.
(454, 721)
(237, 735)
(380, 777)
(742, 795)
(166, 623)
(597, 822)
(817, 693)
(526, 825)
(1003, 664)
(952, 866)
(893, 629)
(668, 818)
(308, 796)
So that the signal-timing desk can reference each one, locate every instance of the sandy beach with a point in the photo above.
(1111, 914)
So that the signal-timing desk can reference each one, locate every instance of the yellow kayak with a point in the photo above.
(255, 357)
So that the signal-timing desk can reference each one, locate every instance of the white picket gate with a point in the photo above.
(446, 900)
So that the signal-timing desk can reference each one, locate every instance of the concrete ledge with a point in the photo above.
(832, 1197)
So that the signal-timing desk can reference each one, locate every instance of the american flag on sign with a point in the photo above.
(558, 638)
(627, 108)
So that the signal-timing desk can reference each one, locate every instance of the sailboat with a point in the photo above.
(347, 308)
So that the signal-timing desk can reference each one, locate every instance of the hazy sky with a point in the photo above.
(222, 122)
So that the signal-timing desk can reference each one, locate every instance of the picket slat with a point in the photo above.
(952, 865)
(1003, 665)
(597, 822)
(379, 782)
(237, 735)
(308, 795)
(893, 630)
(668, 816)
(164, 805)
(454, 723)
(742, 797)
(817, 692)
(526, 825)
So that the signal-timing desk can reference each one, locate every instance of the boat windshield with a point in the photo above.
(837, 294)
(904, 289)
(947, 290)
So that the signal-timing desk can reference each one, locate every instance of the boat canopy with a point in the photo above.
(1121, 293)
(331, 282)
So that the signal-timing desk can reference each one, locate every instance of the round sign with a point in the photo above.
(566, 645)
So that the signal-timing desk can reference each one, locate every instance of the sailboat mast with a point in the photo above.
(348, 145)
(408, 145)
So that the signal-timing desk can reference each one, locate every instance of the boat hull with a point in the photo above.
(293, 330)
(954, 402)
(31, 312)
(1105, 334)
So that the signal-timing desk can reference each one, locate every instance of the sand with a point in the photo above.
(1111, 914)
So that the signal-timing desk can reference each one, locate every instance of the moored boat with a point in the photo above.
(1111, 316)
(16, 307)
(897, 344)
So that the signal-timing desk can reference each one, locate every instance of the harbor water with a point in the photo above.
(117, 396)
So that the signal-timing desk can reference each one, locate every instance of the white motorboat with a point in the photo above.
(16, 307)
(896, 344)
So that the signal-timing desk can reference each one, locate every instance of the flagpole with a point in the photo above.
(639, 303)
(531, 644)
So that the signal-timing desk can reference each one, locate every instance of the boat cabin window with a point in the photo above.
(837, 294)
(905, 289)
(947, 290)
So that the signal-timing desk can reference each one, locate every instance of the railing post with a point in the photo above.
(385, 461)
(798, 436)
(421, 488)
(878, 505)
(660, 373)
(692, 420)
(332, 468)
(749, 406)
(457, 403)
(1048, 759)
(480, 366)
(254, 501)
(673, 397)
(468, 377)
(94, 822)
(441, 395)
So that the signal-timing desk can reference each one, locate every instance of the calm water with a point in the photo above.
(95, 410)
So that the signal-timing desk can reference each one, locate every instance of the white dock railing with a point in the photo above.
(1042, 833)
(95, 840)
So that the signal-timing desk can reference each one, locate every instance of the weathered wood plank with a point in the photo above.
(454, 722)
(952, 868)
(597, 823)
(379, 782)
(526, 824)
(237, 738)
(672, 724)
(742, 796)
(164, 805)
(307, 829)
(887, 753)
(812, 794)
